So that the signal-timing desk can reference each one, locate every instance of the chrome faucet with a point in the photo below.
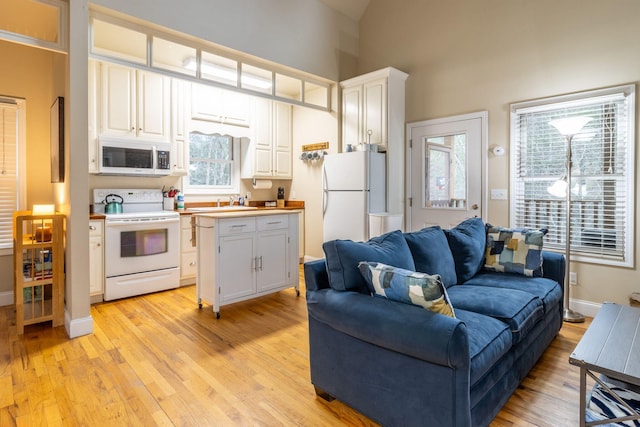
(231, 200)
(218, 201)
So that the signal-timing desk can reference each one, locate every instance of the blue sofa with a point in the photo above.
(402, 365)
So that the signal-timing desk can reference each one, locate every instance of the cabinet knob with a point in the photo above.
(192, 263)
(99, 244)
(92, 227)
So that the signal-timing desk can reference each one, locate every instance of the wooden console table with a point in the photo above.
(610, 346)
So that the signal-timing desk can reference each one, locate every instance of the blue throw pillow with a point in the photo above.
(342, 258)
(467, 241)
(409, 287)
(431, 253)
(514, 250)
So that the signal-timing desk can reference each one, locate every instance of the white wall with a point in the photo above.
(464, 56)
(312, 127)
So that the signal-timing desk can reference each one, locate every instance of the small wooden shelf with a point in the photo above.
(38, 253)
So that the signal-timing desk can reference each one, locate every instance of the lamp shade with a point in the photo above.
(569, 126)
(43, 210)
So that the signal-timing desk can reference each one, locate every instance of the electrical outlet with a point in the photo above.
(573, 278)
(293, 195)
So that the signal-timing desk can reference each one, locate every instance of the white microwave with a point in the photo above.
(130, 157)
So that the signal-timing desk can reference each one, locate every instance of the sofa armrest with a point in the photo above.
(553, 266)
(315, 275)
(402, 328)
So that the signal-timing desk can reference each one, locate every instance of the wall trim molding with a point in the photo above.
(77, 327)
(587, 308)
(6, 298)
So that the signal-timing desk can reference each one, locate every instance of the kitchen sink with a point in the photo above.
(220, 208)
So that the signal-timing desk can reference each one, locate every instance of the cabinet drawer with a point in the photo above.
(273, 222)
(95, 228)
(236, 226)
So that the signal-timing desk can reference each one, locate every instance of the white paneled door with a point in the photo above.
(446, 170)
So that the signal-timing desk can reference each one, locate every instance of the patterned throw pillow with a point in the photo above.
(514, 250)
(409, 287)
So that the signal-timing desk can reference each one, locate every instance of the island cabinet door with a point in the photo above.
(238, 264)
(272, 259)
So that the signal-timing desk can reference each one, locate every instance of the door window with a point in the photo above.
(446, 171)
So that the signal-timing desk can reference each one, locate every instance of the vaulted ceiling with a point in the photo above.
(352, 8)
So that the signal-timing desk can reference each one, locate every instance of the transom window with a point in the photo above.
(602, 170)
(141, 46)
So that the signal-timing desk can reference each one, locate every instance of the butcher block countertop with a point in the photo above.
(244, 213)
(200, 208)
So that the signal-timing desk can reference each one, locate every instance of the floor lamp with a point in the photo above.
(568, 127)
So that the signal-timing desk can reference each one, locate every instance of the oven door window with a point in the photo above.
(143, 242)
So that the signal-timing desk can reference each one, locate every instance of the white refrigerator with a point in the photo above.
(354, 185)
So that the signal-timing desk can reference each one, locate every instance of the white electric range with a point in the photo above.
(142, 244)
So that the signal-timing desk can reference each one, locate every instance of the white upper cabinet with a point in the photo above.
(221, 106)
(364, 109)
(282, 140)
(179, 151)
(369, 103)
(134, 104)
(374, 109)
(268, 154)
(93, 117)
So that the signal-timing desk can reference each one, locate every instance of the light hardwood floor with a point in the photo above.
(159, 360)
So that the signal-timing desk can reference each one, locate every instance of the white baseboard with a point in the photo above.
(77, 327)
(308, 258)
(587, 308)
(6, 298)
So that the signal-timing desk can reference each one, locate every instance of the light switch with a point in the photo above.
(498, 194)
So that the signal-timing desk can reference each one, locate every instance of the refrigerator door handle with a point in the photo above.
(324, 190)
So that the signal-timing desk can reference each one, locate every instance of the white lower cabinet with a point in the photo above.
(187, 252)
(245, 256)
(96, 258)
(237, 263)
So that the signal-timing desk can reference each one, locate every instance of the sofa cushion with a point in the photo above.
(343, 256)
(518, 309)
(409, 287)
(431, 253)
(514, 250)
(489, 340)
(467, 241)
(547, 290)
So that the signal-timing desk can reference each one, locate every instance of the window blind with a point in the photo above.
(8, 172)
(601, 213)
